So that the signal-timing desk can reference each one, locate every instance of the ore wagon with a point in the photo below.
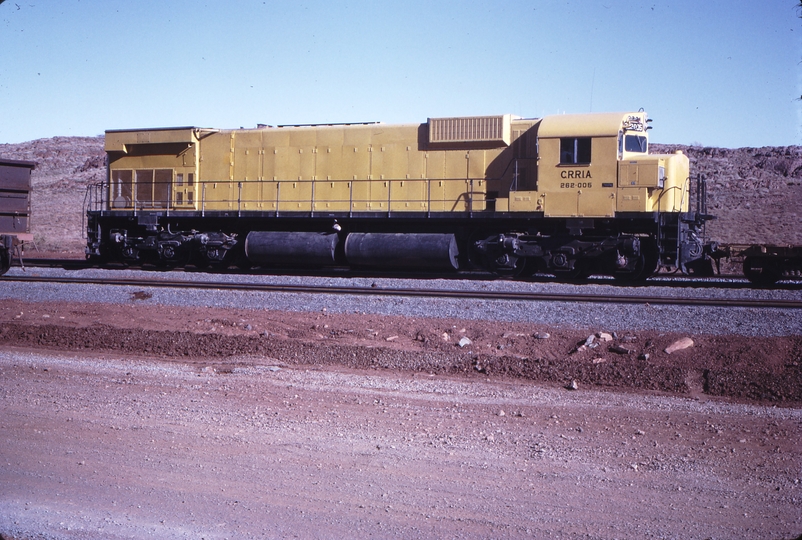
(15, 209)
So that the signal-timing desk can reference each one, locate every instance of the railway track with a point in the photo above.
(734, 281)
(417, 292)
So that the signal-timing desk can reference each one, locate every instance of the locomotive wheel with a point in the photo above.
(472, 258)
(579, 272)
(645, 266)
(129, 256)
(175, 259)
(761, 271)
(169, 264)
(198, 260)
(509, 270)
(217, 263)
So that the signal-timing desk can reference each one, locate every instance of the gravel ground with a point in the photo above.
(612, 317)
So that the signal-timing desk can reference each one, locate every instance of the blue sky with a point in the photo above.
(713, 72)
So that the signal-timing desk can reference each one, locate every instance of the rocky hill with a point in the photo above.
(755, 192)
(65, 166)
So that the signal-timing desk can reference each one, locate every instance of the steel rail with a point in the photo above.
(737, 281)
(424, 293)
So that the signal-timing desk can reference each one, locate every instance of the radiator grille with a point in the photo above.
(478, 129)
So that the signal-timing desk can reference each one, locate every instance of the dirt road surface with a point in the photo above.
(110, 444)
(104, 447)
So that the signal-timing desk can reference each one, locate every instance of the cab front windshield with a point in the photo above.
(636, 143)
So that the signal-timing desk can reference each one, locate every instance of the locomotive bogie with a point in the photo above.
(765, 265)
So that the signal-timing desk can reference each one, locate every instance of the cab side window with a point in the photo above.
(574, 150)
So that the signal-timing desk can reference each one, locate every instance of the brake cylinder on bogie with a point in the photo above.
(276, 248)
(403, 250)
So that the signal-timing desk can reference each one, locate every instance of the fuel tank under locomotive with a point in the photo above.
(377, 250)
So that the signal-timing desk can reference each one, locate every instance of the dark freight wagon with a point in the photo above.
(15, 209)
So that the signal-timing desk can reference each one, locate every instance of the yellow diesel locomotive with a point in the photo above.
(570, 195)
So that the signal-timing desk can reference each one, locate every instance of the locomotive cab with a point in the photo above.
(608, 205)
(598, 166)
